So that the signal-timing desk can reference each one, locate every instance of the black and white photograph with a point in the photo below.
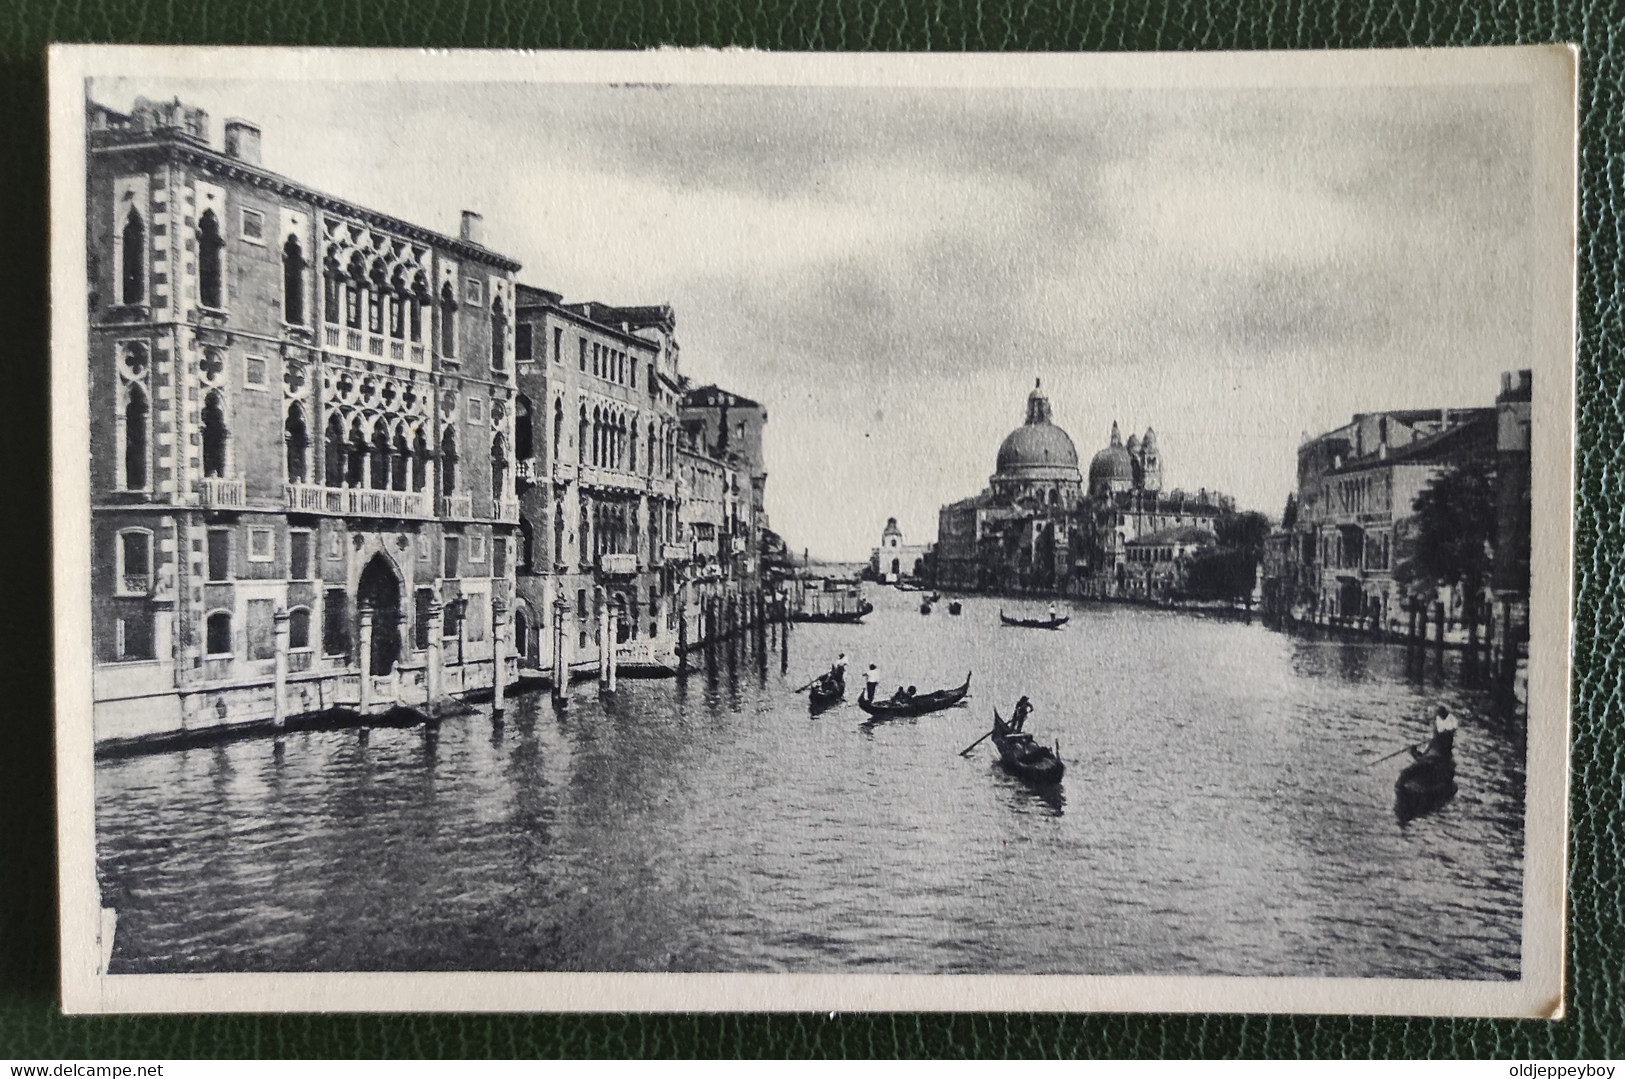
(722, 530)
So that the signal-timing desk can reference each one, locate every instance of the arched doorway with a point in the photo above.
(521, 637)
(381, 590)
(894, 566)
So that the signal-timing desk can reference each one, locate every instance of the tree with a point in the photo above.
(1452, 537)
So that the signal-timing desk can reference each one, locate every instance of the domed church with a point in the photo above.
(1037, 462)
(1039, 526)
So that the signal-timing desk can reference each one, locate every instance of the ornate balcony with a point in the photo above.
(456, 506)
(508, 510)
(674, 552)
(345, 501)
(618, 565)
(525, 470)
(608, 479)
(564, 471)
(217, 493)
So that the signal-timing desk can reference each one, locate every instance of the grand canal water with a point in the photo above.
(1214, 819)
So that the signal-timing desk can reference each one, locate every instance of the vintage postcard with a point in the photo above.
(723, 530)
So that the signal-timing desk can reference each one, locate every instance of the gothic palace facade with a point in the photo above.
(339, 459)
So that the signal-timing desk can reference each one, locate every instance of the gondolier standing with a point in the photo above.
(871, 683)
(1444, 735)
(1052, 610)
(1018, 719)
(838, 672)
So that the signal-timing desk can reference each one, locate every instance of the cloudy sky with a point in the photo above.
(888, 270)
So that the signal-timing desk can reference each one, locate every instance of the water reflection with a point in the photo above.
(1215, 818)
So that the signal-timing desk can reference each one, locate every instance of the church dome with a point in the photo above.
(1111, 463)
(1037, 443)
(1113, 467)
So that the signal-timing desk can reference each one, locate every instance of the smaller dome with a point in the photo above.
(1111, 463)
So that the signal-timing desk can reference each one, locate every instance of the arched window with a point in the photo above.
(214, 436)
(581, 437)
(650, 458)
(585, 535)
(499, 336)
(135, 440)
(210, 279)
(448, 463)
(414, 311)
(499, 468)
(133, 286)
(217, 634)
(331, 286)
(379, 472)
(397, 315)
(527, 541)
(299, 628)
(293, 282)
(558, 427)
(399, 462)
(632, 449)
(355, 463)
(558, 530)
(420, 461)
(334, 455)
(298, 441)
(523, 447)
(448, 322)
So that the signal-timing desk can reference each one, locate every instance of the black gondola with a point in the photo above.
(1034, 623)
(918, 705)
(1426, 783)
(844, 617)
(954, 606)
(925, 608)
(825, 691)
(1022, 757)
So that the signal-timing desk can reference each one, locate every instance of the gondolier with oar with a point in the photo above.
(871, 683)
(1443, 742)
(838, 672)
(1024, 707)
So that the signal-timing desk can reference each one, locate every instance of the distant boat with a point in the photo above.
(954, 606)
(1024, 758)
(1427, 783)
(847, 617)
(1034, 623)
(917, 705)
(825, 691)
(925, 608)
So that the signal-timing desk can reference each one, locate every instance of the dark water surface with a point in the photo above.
(1214, 820)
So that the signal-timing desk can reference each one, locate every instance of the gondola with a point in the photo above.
(925, 608)
(954, 606)
(825, 691)
(843, 617)
(1034, 623)
(1426, 783)
(918, 705)
(935, 597)
(1022, 757)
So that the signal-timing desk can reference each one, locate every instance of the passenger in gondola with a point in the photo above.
(1052, 610)
(871, 683)
(1018, 719)
(1443, 742)
(837, 673)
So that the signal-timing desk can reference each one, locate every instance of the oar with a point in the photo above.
(976, 743)
(809, 685)
(1392, 755)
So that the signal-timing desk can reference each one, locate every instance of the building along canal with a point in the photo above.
(1215, 818)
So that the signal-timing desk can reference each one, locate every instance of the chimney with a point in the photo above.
(243, 141)
(473, 228)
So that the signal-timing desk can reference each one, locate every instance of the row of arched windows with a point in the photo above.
(608, 439)
(391, 458)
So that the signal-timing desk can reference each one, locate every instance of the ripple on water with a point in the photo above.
(1215, 818)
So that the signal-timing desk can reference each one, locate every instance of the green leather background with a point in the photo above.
(31, 1025)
